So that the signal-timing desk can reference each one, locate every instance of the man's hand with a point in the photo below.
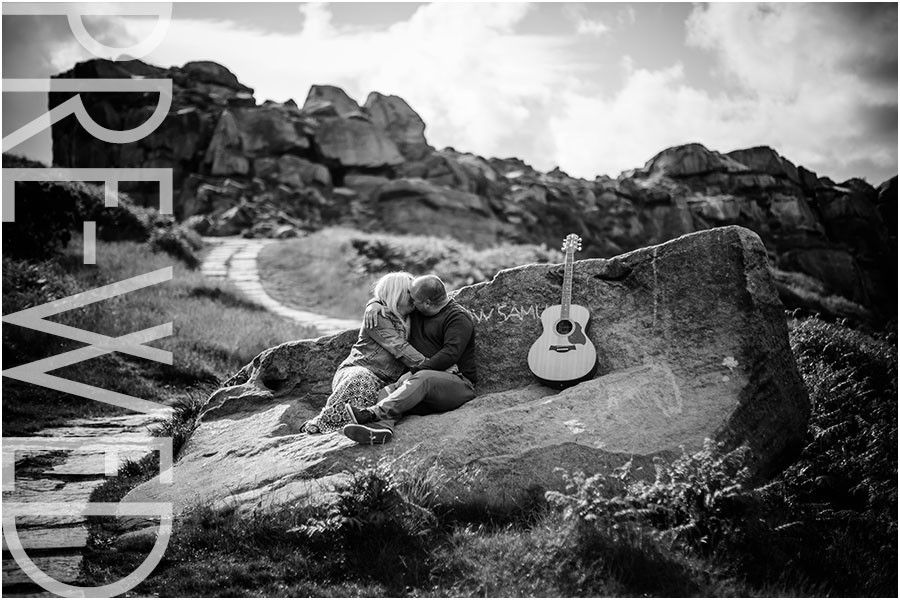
(370, 316)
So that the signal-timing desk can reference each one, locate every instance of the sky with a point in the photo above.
(592, 88)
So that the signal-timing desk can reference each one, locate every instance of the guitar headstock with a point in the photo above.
(571, 243)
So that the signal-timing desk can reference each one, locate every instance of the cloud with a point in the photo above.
(36, 47)
(817, 82)
(477, 84)
(825, 75)
(591, 27)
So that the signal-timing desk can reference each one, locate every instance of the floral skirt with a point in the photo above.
(356, 385)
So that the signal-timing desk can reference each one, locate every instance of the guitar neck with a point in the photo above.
(567, 284)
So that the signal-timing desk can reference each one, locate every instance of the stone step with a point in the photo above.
(62, 568)
(31, 491)
(87, 463)
(57, 538)
(137, 425)
(49, 490)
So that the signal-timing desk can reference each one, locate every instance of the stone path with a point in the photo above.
(69, 476)
(234, 259)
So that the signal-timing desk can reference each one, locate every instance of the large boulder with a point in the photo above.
(330, 100)
(271, 130)
(200, 92)
(762, 159)
(404, 126)
(355, 143)
(691, 342)
(205, 71)
(224, 155)
(414, 206)
(690, 160)
(243, 134)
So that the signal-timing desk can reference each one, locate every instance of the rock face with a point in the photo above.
(402, 124)
(334, 162)
(691, 344)
(356, 143)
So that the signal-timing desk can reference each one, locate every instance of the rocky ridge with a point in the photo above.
(277, 170)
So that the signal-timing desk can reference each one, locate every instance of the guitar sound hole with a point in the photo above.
(564, 327)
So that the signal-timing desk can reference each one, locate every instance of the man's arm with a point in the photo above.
(373, 309)
(458, 331)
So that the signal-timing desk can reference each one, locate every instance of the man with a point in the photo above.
(443, 331)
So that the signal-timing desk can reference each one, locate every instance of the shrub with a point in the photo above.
(699, 501)
(852, 381)
(185, 417)
(47, 214)
(179, 242)
(457, 263)
(378, 499)
(844, 486)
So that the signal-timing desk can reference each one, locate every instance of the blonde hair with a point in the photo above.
(390, 289)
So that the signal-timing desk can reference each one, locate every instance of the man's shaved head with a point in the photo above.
(429, 287)
(429, 294)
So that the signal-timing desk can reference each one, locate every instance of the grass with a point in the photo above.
(345, 264)
(207, 319)
(287, 269)
(827, 526)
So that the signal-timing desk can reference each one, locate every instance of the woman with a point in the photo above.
(378, 358)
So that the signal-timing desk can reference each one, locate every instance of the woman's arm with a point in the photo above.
(386, 334)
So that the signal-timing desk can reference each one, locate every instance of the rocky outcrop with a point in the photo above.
(355, 144)
(402, 124)
(336, 162)
(691, 344)
(330, 101)
(414, 206)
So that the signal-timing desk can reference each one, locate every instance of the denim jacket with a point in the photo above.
(383, 349)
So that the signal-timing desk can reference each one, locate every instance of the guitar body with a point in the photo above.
(563, 355)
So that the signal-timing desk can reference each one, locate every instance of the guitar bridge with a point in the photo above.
(562, 348)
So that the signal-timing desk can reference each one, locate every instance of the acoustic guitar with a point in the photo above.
(564, 355)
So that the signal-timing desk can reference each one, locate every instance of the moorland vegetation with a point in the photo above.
(826, 526)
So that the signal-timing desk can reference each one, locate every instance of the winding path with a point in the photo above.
(234, 259)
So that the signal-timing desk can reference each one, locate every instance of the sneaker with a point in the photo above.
(362, 434)
(359, 416)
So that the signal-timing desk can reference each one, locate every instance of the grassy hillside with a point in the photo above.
(207, 320)
(332, 271)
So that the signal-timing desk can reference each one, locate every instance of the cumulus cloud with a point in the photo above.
(818, 82)
(477, 84)
(591, 27)
(824, 77)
